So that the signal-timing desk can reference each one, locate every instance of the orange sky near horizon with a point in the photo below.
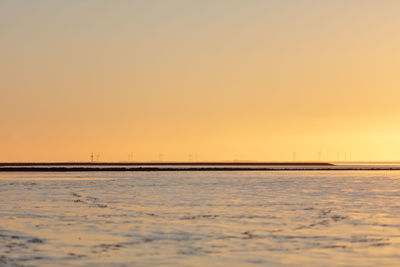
(223, 80)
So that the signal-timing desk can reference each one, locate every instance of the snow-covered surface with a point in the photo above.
(302, 218)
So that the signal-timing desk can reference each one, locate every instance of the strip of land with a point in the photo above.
(25, 164)
(182, 169)
(185, 166)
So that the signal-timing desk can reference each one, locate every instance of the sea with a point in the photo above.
(202, 218)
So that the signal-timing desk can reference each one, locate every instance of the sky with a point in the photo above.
(199, 80)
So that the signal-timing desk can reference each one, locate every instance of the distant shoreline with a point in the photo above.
(220, 163)
(161, 169)
(183, 166)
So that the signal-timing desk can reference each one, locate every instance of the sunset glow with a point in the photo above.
(205, 80)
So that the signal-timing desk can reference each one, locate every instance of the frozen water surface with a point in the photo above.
(278, 218)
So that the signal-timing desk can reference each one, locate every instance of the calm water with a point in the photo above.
(329, 218)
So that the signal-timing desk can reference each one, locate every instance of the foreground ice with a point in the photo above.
(200, 218)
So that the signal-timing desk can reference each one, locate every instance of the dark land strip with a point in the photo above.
(163, 169)
(40, 164)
